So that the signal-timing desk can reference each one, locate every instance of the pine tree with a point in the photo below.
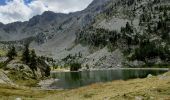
(129, 28)
(165, 13)
(33, 61)
(26, 55)
(12, 53)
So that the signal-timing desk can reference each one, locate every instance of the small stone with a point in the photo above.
(18, 99)
(152, 98)
(106, 98)
(149, 76)
(138, 98)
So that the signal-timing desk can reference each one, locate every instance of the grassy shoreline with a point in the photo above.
(156, 87)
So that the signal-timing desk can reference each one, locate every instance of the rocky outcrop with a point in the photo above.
(43, 69)
(17, 65)
(3, 59)
(4, 78)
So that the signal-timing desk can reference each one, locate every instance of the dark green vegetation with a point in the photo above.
(26, 54)
(12, 53)
(98, 37)
(72, 61)
(33, 61)
(75, 66)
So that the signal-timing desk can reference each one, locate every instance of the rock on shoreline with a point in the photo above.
(46, 84)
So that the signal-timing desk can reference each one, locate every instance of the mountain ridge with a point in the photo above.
(105, 34)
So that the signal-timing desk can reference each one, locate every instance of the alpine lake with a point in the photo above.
(71, 80)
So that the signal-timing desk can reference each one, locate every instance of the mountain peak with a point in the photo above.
(47, 13)
(98, 2)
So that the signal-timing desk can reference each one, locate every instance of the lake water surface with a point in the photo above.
(69, 80)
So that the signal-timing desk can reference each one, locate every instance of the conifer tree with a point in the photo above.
(12, 53)
(26, 54)
(33, 61)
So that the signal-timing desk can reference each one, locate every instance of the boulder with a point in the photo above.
(18, 99)
(46, 84)
(139, 98)
(17, 65)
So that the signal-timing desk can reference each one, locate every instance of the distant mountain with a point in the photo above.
(108, 33)
(40, 23)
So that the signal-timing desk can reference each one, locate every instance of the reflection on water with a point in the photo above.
(69, 80)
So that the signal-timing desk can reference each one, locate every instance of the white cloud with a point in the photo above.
(66, 5)
(17, 10)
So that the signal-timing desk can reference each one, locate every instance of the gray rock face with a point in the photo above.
(104, 59)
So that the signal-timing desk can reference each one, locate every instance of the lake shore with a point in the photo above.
(60, 70)
(56, 77)
(152, 87)
(67, 70)
(132, 69)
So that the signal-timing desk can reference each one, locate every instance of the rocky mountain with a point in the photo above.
(106, 34)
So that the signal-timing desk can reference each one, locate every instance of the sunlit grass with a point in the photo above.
(8, 92)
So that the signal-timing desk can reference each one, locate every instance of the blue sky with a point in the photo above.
(23, 10)
(3, 2)
(28, 1)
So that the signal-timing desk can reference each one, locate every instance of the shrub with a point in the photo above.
(75, 66)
